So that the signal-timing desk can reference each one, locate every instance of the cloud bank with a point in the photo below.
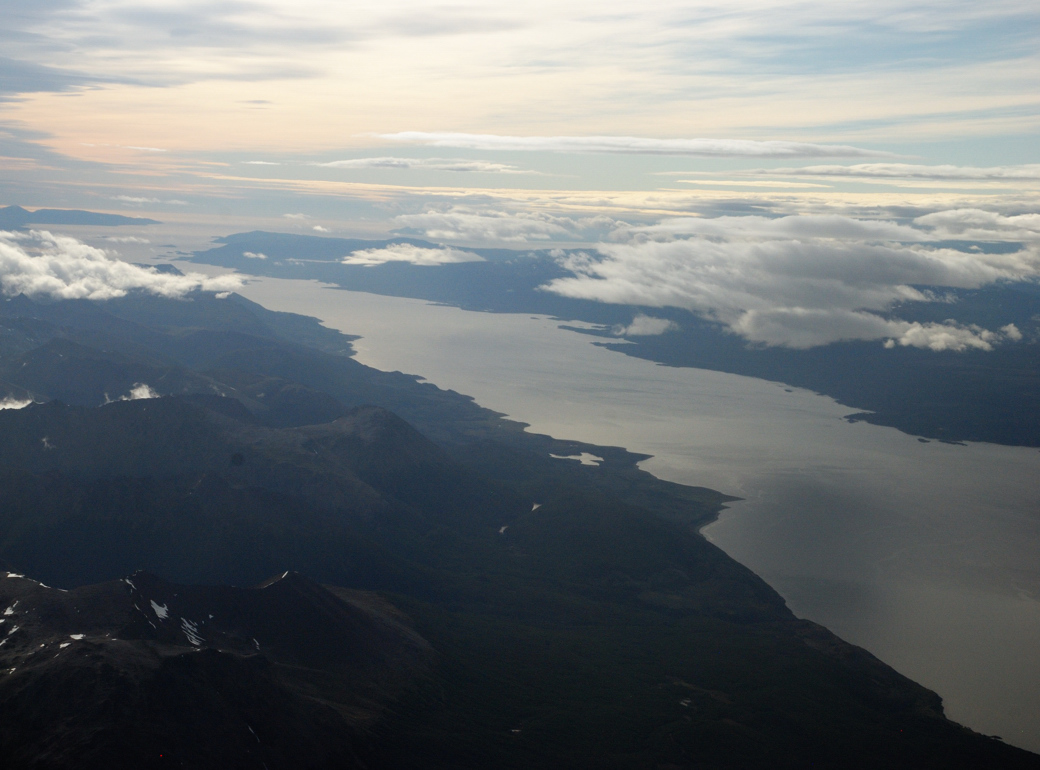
(806, 226)
(462, 223)
(796, 281)
(42, 264)
(635, 145)
(406, 252)
(979, 225)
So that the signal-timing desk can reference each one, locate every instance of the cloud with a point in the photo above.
(295, 216)
(743, 182)
(254, 255)
(126, 239)
(979, 225)
(951, 336)
(634, 145)
(806, 226)
(42, 264)
(138, 392)
(467, 224)
(18, 76)
(406, 252)
(430, 164)
(134, 199)
(137, 200)
(320, 229)
(910, 172)
(794, 283)
(260, 163)
(645, 326)
(14, 403)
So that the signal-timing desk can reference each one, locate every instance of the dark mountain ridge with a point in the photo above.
(140, 672)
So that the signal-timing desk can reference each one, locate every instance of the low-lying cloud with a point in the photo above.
(646, 326)
(41, 264)
(797, 281)
(407, 252)
(979, 225)
(831, 226)
(636, 145)
(485, 225)
(139, 391)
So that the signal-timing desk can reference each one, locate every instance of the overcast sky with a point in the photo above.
(551, 122)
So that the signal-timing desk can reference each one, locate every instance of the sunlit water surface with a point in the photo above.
(926, 554)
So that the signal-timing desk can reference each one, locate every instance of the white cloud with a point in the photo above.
(295, 216)
(467, 224)
(950, 336)
(138, 200)
(794, 281)
(406, 252)
(134, 199)
(261, 163)
(910, 171)
(979, 225)
(636, 145)
(126, 239)
(806, 226)
(14, 403)
(645, 326)
(39, 263)
(1011, 332)
(138, 392)
(430, 164)
(320, 229)
(254, 254)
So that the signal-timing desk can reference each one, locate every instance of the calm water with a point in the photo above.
(924, 553)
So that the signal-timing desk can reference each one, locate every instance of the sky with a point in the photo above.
(872, 132)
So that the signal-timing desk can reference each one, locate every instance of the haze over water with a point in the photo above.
(924, 553)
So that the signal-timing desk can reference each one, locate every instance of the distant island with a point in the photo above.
(12, 217)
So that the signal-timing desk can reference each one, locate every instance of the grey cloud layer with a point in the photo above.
(794, 281)
(42, 264)
(634, 145)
